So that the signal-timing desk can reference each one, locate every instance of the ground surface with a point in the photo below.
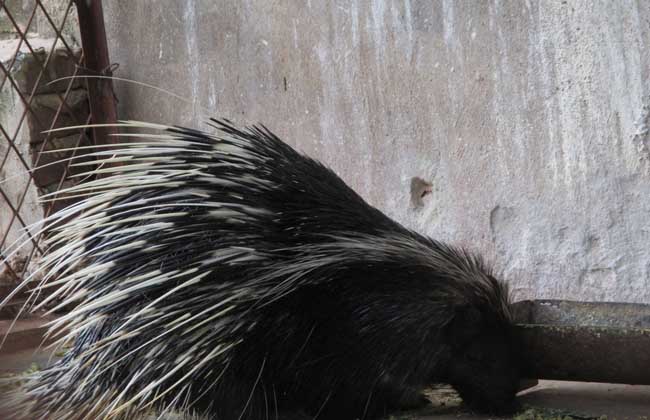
(552, 400)
(547, 401)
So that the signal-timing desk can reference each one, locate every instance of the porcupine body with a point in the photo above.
(228, 275)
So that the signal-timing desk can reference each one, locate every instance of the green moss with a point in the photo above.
(534, 414)
(33, 368)
(549, 414)
(11, 381)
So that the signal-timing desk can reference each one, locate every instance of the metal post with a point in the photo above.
(95, 49)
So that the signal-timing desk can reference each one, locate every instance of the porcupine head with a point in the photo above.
(484, 361)
(472, 344)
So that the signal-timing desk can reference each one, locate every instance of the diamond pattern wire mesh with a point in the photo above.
(36, 47)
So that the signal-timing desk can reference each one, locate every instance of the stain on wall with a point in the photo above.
(528, 118)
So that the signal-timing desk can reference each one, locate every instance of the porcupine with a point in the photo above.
(228, 275)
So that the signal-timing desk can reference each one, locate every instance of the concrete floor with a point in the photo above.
(554, 400)
(549, 400)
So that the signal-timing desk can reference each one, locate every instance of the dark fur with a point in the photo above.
(352, 338)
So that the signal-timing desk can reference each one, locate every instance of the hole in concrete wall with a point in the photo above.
(419, 190)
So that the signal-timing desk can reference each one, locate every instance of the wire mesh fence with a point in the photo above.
(39, 49)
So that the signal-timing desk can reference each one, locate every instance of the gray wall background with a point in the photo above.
(529, 118)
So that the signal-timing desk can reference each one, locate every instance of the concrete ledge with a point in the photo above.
(26, 334)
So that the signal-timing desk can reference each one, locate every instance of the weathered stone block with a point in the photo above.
(20, 11)
(49, 168)
(45, 111)
(62, 200)
(27, 71)
(58, 11)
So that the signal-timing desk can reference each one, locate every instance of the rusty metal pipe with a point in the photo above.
(95, 48)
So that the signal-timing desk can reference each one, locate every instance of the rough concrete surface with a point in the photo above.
(529, 118)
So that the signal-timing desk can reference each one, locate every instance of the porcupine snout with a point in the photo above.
(485, 364)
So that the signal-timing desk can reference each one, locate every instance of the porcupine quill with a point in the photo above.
(228, 275)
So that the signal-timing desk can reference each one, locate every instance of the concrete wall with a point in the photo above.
(530, 119)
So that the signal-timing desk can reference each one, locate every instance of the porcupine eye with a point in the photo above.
(483, 367)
